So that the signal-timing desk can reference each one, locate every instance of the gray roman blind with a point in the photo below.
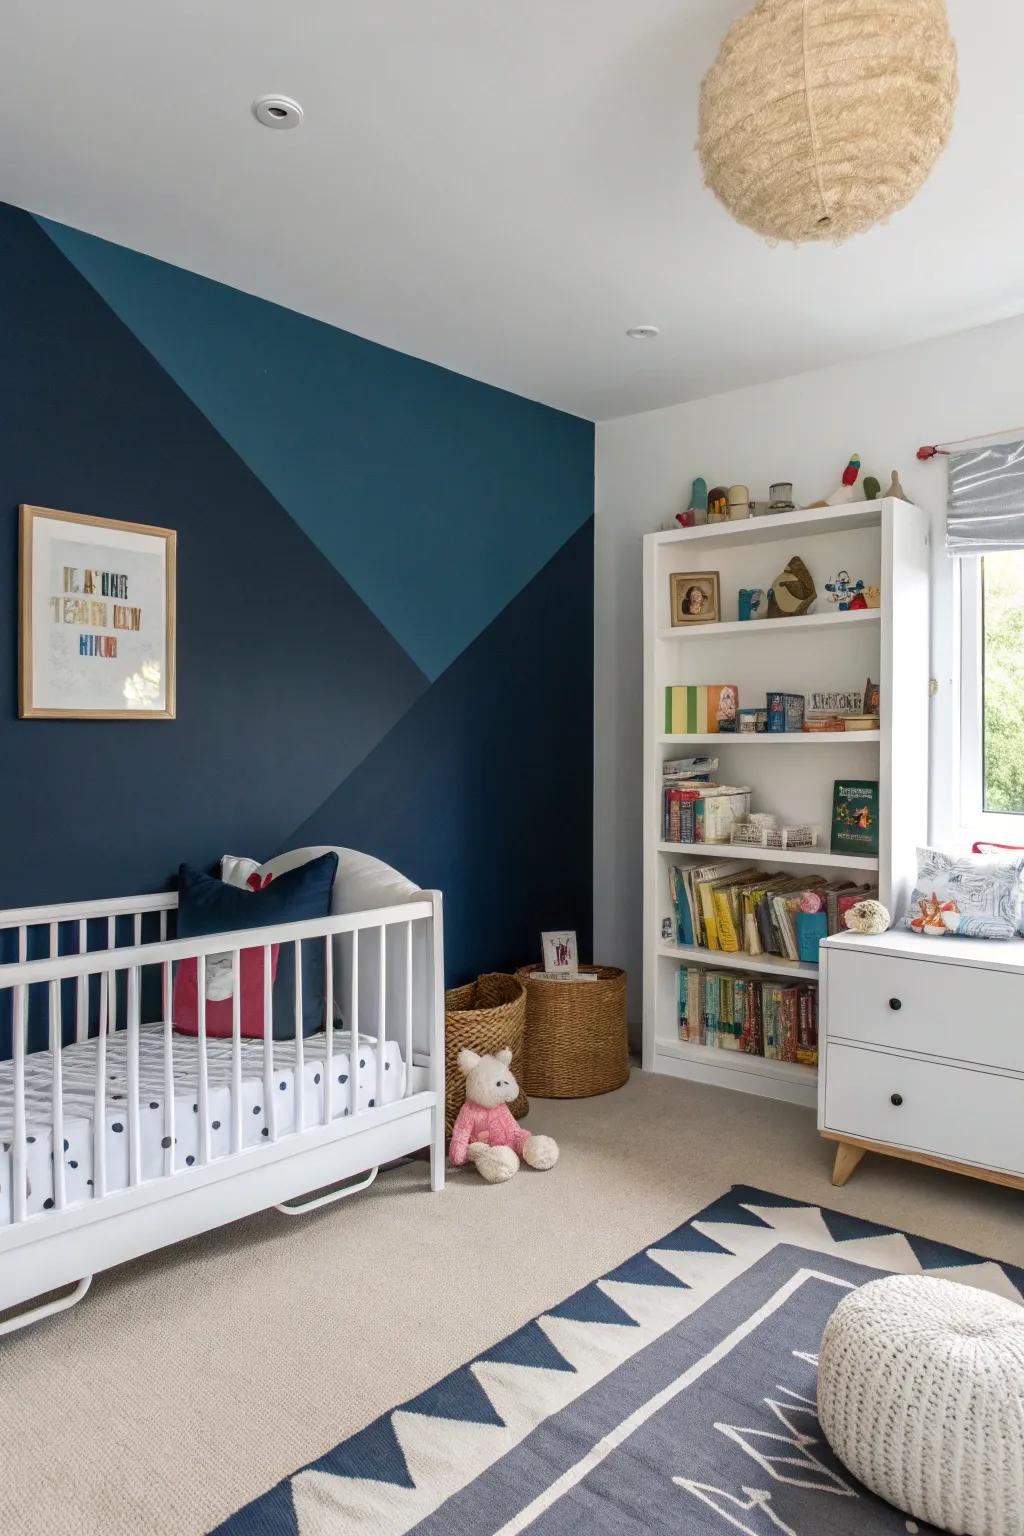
(986, 499)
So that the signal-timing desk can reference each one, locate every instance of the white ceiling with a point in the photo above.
(501, 186)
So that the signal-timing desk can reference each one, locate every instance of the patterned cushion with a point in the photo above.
(978, 898)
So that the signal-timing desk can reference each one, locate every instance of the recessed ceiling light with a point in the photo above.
(643, 332)
(277, 112)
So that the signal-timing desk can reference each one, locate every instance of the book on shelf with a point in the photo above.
(702, 813)
(748, 911)
(855, 816)
(775, 1020)
(697, 709)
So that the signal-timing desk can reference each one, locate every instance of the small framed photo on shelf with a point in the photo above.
(561, 957)
(695, 597)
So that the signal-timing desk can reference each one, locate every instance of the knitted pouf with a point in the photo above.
(921, 1395)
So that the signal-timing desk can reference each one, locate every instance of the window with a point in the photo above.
(992, 697)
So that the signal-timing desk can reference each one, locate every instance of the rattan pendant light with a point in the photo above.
(821, 117)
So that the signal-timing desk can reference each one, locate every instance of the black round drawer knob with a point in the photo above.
(897, 1099)
(895, 1004)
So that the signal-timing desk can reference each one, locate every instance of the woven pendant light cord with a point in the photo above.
(812, 123)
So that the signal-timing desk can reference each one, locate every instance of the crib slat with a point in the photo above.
(353, 1030)
(22, 944)
(167, 1011)
(163, 924)
(137, 928)
(54, 941)
(57, 1097)
(407, 1052)
(112, 995)
(203, 1093)
(236, 1050)
(269, 1104)
(382, 1023)
(329, 1025)
(298, 1075)
(82, 987)
(19, 1024)
(99, 1129)
(134, 1127)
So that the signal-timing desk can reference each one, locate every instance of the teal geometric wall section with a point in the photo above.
(438, 498)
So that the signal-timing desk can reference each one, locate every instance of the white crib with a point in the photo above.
(121, 1135)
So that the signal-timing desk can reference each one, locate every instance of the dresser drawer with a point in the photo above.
(962, 1115)
(967, 1013)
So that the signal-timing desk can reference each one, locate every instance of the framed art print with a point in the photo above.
(560, 954)
(97, 618)
(694, 597)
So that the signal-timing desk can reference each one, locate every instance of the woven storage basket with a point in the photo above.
(576, 1034)
(485, 1015)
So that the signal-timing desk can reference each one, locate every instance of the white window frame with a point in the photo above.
(976, 824)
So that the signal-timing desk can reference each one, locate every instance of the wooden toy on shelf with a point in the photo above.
(792, 592)
(739, 502)
(846, 491)
(718, 504)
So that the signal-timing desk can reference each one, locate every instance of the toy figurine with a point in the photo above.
(792, 592)
(872, 488)
(697, 511)
(752, 603)
(739, 502)
(718, 504)
(844, 592)
(780, 497)
(845, 492)
(872, 597)
(895, 489)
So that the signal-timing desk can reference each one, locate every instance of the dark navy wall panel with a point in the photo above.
(300, 713)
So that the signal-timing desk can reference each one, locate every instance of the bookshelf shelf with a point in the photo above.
(793, 1071)
(771, 739)
(884, 543)
(751, 531)
(724, 960)
(816, 857)
(774, 627)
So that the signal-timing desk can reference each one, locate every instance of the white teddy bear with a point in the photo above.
(485, 1132)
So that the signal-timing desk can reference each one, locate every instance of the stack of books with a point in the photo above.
(749, 911)
(695, 809)
(738, 1013)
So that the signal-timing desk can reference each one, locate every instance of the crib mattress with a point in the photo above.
(259, 1118)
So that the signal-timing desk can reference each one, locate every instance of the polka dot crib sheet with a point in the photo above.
(262, 1114)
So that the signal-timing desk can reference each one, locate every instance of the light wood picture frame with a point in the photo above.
(694, 597)
(97, 622)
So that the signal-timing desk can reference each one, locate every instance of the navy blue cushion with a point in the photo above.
(207, 905)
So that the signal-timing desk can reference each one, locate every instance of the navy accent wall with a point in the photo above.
(313, 705)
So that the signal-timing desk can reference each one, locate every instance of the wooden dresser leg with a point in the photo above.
(847, 1158)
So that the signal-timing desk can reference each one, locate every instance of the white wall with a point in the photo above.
(802, 429)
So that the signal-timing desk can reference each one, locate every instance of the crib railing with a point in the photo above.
(89, 980)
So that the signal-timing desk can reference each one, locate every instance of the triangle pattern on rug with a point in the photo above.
(933, 1255)
(373, 1453)
(591, 1305)
(687, 1239)
(272, 1514)
(528, 1346)
(641, 1269)
(844, 1228)
(731, 1212)
(458, 1396)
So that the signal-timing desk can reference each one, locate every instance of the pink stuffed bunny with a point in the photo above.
(485, 1133)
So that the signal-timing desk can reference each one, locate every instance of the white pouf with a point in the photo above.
(921, 1395)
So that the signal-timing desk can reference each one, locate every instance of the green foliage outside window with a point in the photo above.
(1003, 579)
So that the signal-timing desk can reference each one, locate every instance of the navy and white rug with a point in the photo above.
(674, 1395)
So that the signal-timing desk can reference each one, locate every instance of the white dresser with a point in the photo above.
(922, 1052)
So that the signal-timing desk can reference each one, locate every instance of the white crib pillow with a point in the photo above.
(362, 884)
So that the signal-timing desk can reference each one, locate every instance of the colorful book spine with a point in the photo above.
(699, 708)
(775, 1020)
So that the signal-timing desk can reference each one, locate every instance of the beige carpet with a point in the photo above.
(190, 1381)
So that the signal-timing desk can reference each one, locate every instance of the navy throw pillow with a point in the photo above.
(207, 905)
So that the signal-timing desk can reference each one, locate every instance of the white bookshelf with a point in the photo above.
(885, 543)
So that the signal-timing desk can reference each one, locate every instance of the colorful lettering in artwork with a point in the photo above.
(98, 645)
(78, 605)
